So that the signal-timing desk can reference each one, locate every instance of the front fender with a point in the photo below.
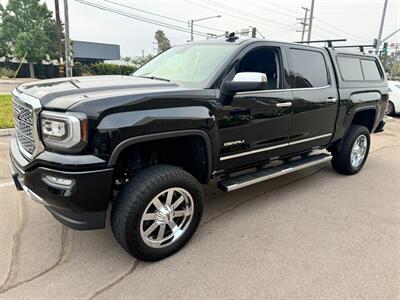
(120, 130)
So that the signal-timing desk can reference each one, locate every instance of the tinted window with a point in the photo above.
(262, 60)
(370, 70)
(350, 68)
(309, 69)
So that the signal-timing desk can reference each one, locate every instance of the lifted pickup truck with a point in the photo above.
(242, 111)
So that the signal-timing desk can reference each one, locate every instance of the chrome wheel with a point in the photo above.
(358, 151)
(167, 217)
(389, 108)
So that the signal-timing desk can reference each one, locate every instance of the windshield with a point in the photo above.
(188, 65)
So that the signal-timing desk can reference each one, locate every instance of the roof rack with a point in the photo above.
(361, 47)
(329, 42)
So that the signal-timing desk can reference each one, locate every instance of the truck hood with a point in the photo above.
(62, 93)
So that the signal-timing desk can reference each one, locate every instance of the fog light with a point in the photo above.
(58, 180)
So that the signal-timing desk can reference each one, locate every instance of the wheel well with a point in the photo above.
(365, 118)
(187, 152)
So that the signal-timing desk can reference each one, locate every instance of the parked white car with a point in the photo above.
(393, 106)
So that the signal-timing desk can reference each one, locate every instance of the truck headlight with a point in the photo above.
(64, 131)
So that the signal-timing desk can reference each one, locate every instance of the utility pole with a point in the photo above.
(58, 30)
(311, 21)
(379, 39)
(191, 30)
(68, 67)
(303, 22)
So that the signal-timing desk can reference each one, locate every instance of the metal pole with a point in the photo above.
(191, 30)
(311, 21)
(58, 30)
(68, 68)
(379, 39)
(304, 23)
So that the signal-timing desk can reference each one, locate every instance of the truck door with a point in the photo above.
(315, 98)
(255, 126)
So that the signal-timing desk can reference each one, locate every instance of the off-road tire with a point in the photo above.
(135, 196)
(341, 159)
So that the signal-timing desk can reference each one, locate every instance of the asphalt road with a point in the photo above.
(313, 234)
(7, 85)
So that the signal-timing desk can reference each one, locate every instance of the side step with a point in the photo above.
(240, 181)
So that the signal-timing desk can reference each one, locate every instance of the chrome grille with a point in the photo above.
(23, 122)
(26, 114)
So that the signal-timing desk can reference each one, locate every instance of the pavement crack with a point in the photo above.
(258, 195)
(16, 244)
(66, 249)
(115, 281)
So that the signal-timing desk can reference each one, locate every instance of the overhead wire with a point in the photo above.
(160, 15)
(140, 18)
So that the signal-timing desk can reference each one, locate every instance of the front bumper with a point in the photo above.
(82, 205)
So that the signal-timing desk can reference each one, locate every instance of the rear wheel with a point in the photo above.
(354, 151)
(389, 111)
(157, 212)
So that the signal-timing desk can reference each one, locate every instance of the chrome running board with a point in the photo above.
(241, 181)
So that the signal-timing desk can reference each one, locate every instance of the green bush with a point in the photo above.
(80, 69)
(7, 72)
(111, 69)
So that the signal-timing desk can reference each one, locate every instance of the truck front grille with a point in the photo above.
(25, 123)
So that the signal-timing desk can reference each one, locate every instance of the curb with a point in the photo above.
(6, 132)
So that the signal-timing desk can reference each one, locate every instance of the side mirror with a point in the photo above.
(243, 82)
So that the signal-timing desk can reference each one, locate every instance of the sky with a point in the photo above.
(357, 20)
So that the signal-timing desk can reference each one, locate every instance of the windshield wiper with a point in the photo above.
(155, 78)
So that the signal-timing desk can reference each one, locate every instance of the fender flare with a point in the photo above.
(164, 135)
(359, 109)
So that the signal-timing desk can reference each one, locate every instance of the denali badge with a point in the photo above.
(233, 143)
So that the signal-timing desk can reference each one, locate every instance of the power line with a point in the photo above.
(283, 8)
(139, 18)
(226, 13)
(333, 27)
(241, 12)
(336, 32)
(161, 16)
(285, 13)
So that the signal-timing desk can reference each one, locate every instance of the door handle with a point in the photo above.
(331, 100)
(284, 104)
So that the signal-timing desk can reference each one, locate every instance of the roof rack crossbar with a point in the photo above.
(329, 42)
(361, 47)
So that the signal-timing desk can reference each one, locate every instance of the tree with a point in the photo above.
(140, 61)
(27, 30)
(127, 59)
(163, 42)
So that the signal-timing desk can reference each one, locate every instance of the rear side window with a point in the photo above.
(370, 69)
(356, 69)
(309, 69)
(350, 68)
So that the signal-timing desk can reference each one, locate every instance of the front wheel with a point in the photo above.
(157, 212)
(354, 151)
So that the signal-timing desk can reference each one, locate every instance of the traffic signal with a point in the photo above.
(385, 48)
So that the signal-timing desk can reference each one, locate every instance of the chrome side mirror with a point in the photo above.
(243, 82)
(250, 77)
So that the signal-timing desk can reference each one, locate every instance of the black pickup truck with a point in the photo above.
(242, 111)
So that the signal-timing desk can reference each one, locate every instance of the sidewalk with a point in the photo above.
(7, 85)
